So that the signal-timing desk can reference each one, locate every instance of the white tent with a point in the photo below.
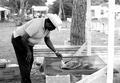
(3, 13)
(3, 9)
(40, 8)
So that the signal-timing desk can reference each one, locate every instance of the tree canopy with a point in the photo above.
(68, 4)
(15, 4)
(67, 7)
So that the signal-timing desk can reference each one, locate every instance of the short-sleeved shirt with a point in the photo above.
(35, 29)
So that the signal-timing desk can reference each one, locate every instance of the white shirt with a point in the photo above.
(35, 29)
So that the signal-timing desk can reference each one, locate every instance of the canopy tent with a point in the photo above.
(40, 8)
(39, 11)
(3, 13)
(3, 9)
(117, 8)
(110, 58)
(109, 68)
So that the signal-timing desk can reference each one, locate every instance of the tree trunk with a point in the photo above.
(20, 19)
(22, 9)
(77, 33)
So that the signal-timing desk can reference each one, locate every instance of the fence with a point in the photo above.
(99, 26)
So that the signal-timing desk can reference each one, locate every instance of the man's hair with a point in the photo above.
(48, 20)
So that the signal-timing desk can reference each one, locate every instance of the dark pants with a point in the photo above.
(21, 54)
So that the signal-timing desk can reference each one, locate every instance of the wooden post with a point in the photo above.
(94, 76)
(88, 27)
(111, 41)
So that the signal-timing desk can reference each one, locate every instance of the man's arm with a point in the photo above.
(50, 45)
(25, 37)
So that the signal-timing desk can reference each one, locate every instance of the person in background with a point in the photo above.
(29, 34)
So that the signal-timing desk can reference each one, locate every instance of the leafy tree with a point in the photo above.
(16, 4)
(13, 4)
(97, 2)
(117, 2)
(19, 6)
(67, 7)
(36, 2)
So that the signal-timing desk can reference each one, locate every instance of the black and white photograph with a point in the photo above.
(59, 41)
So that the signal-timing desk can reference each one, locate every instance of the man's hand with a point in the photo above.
(29, 56)
(59, 55)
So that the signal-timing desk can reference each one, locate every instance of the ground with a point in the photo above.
(7, 52)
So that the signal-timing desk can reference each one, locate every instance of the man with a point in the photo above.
(30, 34)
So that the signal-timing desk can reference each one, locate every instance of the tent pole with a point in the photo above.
(110, 63)
(88, 28)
